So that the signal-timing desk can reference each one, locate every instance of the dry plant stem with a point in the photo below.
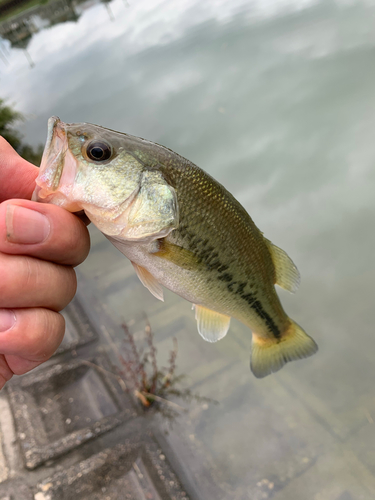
(153, 356)
(173, 356)
(136, 356)
(141, 396)
(130, 339)
(162, 400)
(106, 372)
(128, 365)
(128, 369)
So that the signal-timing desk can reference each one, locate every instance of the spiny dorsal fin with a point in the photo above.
(287, 275)
(149, 281)
(212, 325)
(269, 355)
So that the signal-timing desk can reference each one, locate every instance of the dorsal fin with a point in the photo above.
(212, 325)
(287, 275)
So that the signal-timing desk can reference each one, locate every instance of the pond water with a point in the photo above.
(275, 99)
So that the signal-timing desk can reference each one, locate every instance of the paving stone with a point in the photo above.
(335, 475)
(61, 407)
(233, 441)
(15, 490)
(362, 444)
(3, 463)
(10, 453)
(78, 330)
(135, 470)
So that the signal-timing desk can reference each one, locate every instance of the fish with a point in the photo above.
(181, 229)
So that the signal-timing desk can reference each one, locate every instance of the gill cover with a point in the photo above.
(154, 212)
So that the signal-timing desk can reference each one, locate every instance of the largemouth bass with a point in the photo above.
(180, 229)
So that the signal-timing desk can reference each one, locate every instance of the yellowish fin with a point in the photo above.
(212, 325)
(178, 255)
(287, 274)
(149, 282)
(269, 355)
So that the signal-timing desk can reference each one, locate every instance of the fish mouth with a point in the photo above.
(52, 164)
(57, 169)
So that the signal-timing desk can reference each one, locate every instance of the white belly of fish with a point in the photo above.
(185, 283)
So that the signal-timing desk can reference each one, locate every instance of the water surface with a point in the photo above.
(275, 99)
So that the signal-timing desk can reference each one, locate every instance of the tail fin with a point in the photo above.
(270, 355)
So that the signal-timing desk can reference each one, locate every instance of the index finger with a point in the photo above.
(43, 231)
(17, 176)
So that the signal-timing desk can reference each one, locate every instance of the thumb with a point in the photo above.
(17, 176)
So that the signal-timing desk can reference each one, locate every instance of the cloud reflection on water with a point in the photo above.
(266, 96)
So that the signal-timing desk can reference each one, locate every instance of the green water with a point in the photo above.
(276, 100)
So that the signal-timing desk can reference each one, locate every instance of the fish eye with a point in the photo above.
(98, 151)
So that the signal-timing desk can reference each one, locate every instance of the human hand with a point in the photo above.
(39, 246)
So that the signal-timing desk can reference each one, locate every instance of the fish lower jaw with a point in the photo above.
(43, 195)
(104, 221)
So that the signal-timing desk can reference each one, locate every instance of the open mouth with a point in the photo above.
(52, 165)
(56, 177)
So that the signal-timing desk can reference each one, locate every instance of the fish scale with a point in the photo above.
(181, 229)
(203, 223)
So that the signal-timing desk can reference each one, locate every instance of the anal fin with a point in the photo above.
(212, 325)
(149, 281)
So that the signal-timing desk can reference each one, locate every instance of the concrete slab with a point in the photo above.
(335, 475)
(4, 470)
(362, 443)
(59, 408)
(135, 470)
(79, 330)
(251, 444)
(10, 455)
(15, 490)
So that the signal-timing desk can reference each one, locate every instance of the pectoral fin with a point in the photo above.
(212, 326)
(176, 254)
(149, 282)
(287, 275)
(154, 212)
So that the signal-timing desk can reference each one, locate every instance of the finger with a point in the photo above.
(29, 282)
(17, 176)
(44, 231)
(33, 336)
(5, 372)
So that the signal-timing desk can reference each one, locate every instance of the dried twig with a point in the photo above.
(146, 381)
(107, 372)
(163, 400)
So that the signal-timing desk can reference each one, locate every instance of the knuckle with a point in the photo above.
(69, 230)
(4, 275)
(59, 285)
(78, 243)
(30, 282)
(30, 272)
(30, 275)
(71, 284)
